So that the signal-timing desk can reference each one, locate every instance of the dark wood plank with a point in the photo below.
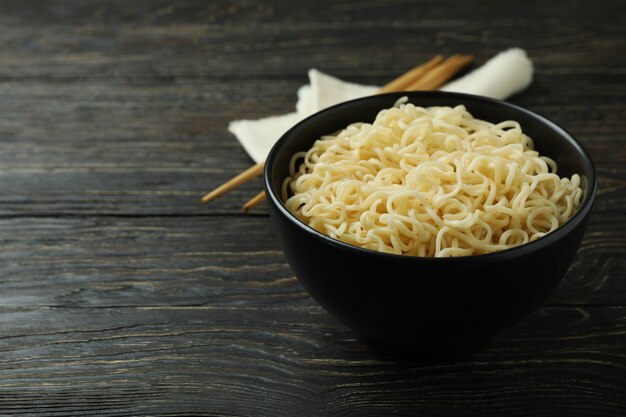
(161, 39)
(283, 12)
(213, 261)
(144, 261)
(155, 148)
(295, 360)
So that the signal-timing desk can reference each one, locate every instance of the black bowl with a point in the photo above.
(407, 307)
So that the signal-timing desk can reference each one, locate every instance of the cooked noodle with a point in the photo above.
(429, 182)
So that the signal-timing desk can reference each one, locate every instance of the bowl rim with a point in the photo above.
(520, 250)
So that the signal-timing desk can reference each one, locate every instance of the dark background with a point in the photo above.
(121, 294)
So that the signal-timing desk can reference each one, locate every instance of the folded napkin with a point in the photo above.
(502, 76)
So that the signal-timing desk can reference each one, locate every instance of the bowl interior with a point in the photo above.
(549, 139)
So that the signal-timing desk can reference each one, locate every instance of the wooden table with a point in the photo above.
(121, 294)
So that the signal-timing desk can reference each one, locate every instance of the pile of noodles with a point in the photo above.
(429, 182)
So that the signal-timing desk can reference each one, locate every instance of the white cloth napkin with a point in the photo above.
(502, 76)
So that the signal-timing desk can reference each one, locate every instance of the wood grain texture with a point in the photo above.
(121, 294)
(161, 39)
(203, 260)
(105, 147)
(295, 360)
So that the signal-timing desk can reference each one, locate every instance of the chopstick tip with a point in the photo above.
(254, 201)
(208, 198)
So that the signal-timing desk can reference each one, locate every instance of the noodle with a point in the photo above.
(429, 182)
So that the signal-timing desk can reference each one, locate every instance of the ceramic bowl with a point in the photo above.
(408, 307)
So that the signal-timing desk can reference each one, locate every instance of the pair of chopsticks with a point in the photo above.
(429, 76)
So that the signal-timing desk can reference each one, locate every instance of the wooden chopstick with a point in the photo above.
(439, 75)
(428, 76)
(250, 173)
(411, 76)
(253, 201)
